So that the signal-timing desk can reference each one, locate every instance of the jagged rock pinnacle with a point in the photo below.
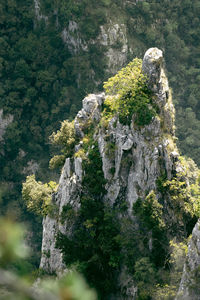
(131, 158)
(151, 66)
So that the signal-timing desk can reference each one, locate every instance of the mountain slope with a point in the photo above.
(124, 195)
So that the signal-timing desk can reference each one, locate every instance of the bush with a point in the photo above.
(37, 196)
(66, 139)
(129, 96)
(57, 161)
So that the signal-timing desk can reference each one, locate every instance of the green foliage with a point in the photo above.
(127, 79)
(71, 286)
(37, 196)
(112, 170)
(185, 197)
(57, 161)
(160, 183)
(13, 286)
(110, 150)
(12, 246)
(157, 275)
(144, 275)
(68, 214)
(132, 97)
(41, 82)
(65, 137)
(80, 153)
(177, 259)
(94, 247)
(195, 196)
(180, 196)
(94, 177)
(150, 213)
(168, 291)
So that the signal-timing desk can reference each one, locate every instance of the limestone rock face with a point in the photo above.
(72, 37)
(38, 14)
(68, 192)
(153, 67)
(4, 122)
(190, 283)
(132, 160)
(110, 36)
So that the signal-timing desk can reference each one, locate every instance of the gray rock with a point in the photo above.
(4, 122)
(136, 156)
(51, 258)
(190, 283)
(110, 36)
(91, 111)
(31, 167)
(71, 36)
(38, 14)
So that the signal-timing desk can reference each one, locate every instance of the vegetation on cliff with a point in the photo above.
(18, 284)
(129, 96)
(106, 236)
(42, 82)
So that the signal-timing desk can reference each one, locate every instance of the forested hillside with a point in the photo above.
(52, 53)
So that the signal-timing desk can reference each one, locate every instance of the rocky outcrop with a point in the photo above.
(114, 37)
(68, 192)
(72, 38)
(133, 158)
(38, 14)
(190, 283)
(4, 122)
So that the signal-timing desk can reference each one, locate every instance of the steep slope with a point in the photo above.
(189, 286)
(55, 52)
(124, 193)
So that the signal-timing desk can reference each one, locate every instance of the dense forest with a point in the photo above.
(44, 78)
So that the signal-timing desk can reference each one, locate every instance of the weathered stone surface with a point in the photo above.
(51, 259)
(68, 191)
(4, 122)
(31, 167)
(190, 283)
(91, 111)
(110, 36)
(72, 38)
(153, 67)
(133, 158)
(38, 14)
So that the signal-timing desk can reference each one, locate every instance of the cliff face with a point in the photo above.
(112, 36)
(138, 164)
(189, 286)
(4, 122)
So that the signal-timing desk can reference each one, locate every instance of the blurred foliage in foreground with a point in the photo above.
(22, 287)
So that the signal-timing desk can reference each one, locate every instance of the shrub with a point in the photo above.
(65, 137)
(129, 95)
(80, 153)
(150, 213)
(94, 247)
(57, 161)
(37, 196)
